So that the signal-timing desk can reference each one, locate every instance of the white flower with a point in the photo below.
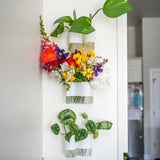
(101, 81)
(64, 67)
(56, 74)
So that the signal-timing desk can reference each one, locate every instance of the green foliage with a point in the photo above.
(82, 25)
(84, 115)
(73, 128)
(74, 14)
(116, 8)
(80, 135)
(104, 125)
(65, 19)
(68, 136)
(58, 30)
(95, 135)
(55, 129)
(91, 126)
(111, 8)
(67, 116)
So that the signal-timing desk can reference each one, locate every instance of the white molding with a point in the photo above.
(151, 72)
(122, 120)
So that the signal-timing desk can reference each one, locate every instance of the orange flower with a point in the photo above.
(49, 55)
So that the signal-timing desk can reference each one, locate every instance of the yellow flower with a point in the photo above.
(78, 58)
(72, 79)
(90, 53)
(65, 76)
(89, 73)
(84, 57)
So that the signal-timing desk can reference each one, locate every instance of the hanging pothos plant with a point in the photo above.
(83, 25)
(68, 118)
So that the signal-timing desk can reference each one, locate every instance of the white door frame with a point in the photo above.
(151, 72)
(122, 84)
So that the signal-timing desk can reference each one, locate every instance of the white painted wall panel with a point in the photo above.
(105, 101)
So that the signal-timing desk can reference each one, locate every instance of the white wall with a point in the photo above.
(105, 106)
(20, 82)
(151, 59)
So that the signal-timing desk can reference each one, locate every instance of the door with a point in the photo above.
(155, 112)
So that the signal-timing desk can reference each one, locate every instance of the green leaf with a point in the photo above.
(68, 136)
(74, 14)
(65, 19)
(104, 125)
(81, 135)
(58, 30)
(73, 128)
(115, 8)
(90, 125)
(84, 115)
(67, 116)
(95, 135)
(55, 129)
(82, 25)
(67, 121)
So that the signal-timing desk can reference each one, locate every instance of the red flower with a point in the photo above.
(48, 55)
(72, 62)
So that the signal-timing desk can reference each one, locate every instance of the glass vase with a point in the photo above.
(79, 92)
(75, 41)
(84, 147)
(70, 148)
(89, 41)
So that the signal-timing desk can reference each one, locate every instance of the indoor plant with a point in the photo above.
(74, 135)
(83, 25)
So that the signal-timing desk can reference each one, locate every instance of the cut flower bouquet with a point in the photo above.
(77, 66)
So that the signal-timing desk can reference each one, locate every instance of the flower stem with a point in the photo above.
(95, 13)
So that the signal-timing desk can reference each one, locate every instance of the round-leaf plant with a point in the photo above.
(67, 118)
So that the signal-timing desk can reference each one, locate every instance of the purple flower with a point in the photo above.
(97, 68)
(60, 53)
(75, 52)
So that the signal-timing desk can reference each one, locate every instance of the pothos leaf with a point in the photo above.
(90, 125)
(116, 8)
(58, 30)
(95, 135)
(68, 136)
(66, 116)
(80, 135)
(65, 19)
(84, 115)
(73, 128)
(74, 14)
(55, 129)
(82, 25)
(104, 125)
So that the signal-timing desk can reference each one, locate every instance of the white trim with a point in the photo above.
(151, 72)
(122, 120)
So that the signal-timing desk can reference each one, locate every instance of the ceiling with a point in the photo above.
(143, 8)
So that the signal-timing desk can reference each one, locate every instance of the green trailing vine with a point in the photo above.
(83, 24)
